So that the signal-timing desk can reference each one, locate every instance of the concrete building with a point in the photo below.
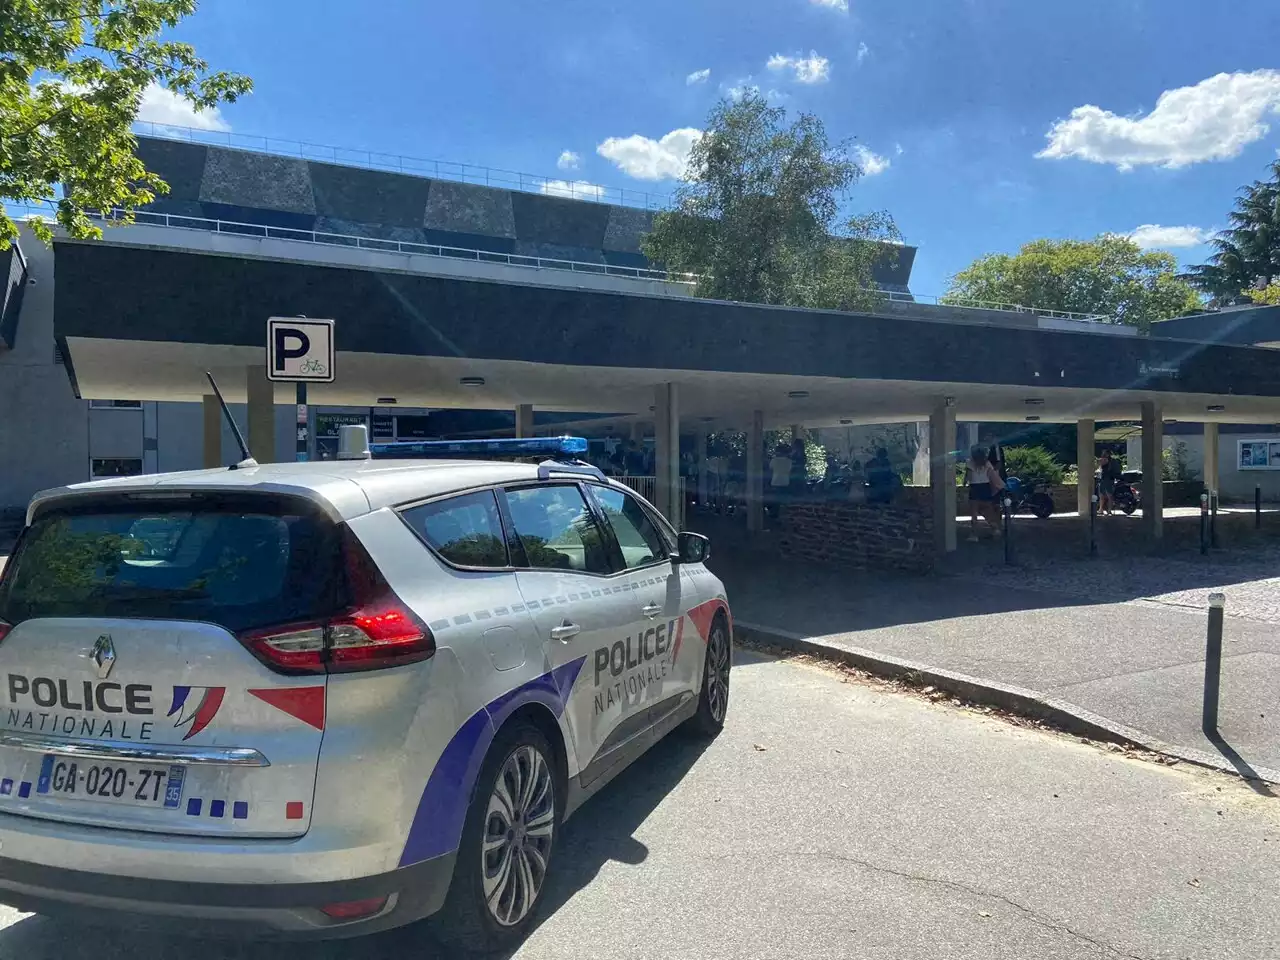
(452, 298)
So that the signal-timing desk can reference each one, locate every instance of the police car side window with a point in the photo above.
(637, 535)
(556, 529)
(464, 530)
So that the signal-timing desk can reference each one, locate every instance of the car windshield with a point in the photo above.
(235, 564)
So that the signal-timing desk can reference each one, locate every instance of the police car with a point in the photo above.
(331, 698)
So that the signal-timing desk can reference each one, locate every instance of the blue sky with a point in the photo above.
(954, 99)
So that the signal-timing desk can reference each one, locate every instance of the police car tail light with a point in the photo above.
(376, 630)
(4, 629)
(379, 630)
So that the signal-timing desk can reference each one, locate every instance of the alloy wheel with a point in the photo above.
(518, 831)
(718, 672)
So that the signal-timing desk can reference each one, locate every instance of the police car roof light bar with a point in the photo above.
(554, 448)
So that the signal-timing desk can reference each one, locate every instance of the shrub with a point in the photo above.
(1033, 465)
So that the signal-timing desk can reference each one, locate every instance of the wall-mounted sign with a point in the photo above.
(1258, 455)
(327, 424)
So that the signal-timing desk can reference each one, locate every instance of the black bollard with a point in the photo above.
(1204, 524)
(1257, 507)
(1093, 517)
(1007, 521)
(1212, 664)
(1213, 519)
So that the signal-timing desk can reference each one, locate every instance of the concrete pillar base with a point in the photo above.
(212, 416)
(942, 475)
(666, 449)
(755, 472)
(1085, 447)
(262, 415)
(1152, 461)
(1212, 465)
(524, 420)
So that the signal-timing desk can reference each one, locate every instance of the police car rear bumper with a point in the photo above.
(227, 910)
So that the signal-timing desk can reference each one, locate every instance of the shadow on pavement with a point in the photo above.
(601, 831)
(1250, 775)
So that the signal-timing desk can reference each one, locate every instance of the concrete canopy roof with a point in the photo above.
(140, 323)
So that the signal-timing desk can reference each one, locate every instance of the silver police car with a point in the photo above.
(331, 698)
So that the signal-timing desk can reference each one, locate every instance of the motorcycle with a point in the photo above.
(1028, 496)
(1125, 496)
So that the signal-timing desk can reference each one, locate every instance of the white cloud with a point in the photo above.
(1213, 120)
(569, 161)
(163, 106)
(841, 5)
(1154, 236)
(648, 159)
(871, 163)
(863, 50)
(698, 76)
(574, 189)
(810, 69)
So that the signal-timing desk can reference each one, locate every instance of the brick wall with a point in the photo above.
(898, 536)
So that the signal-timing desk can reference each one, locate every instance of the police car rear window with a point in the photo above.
(240, 564)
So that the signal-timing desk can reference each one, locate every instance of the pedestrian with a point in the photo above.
(978, 474)
(779, 476)
(633, 460)
(799, 469)
(857, 483)
(881, 480)
(1108, 473)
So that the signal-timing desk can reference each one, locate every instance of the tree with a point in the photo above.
(1268, 296)
(1110, 276)
(757, 217)
(1247, 254)
(72, 76)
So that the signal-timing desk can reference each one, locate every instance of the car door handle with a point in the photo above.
(566, 631)
(651, 610)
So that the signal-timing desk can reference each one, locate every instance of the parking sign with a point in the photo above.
(300, 351)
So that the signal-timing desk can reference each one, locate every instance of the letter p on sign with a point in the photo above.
(300, 350)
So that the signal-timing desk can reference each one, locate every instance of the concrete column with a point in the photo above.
(262, 415)
(637, 431)
(920, 466)
(755, 472)
(666, 449)
(1152, 459)
(524, 420)
(1211, 462)
(1085, 446)
(703, 479)
(968, 437)
(942, 475)
(797, 430)
(212, 431)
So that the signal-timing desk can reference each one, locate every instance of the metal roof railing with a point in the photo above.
(231, 227)
(950, 300)
(473, 173)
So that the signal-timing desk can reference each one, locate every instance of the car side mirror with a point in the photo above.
(693, 548)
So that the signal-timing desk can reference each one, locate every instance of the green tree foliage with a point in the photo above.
(1033, 465)
(1109, 276)
(1247, 254)
(758, 216)
(72, 76)
(1268, 296)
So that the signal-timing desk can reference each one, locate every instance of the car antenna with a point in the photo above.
(247, 460)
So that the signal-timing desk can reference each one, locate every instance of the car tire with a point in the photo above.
(488, 907)
(713, 697)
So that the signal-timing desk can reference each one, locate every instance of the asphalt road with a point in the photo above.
(833, 819)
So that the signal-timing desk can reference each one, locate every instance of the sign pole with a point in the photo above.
(302, 421)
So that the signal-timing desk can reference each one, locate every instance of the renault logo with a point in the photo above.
(104, 655)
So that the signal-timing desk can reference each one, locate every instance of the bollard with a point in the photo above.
(1213, 664)
(1257, 507)
(1204, 524)
(1007, 521)
(1093, 517)
(1213, 519)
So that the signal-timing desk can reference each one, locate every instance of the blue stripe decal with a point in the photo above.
(437, 825)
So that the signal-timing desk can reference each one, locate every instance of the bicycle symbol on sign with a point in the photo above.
(312, 366)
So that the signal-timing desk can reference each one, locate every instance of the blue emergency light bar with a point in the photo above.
(552, 448)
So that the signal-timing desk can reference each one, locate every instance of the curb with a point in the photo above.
(1059, 713)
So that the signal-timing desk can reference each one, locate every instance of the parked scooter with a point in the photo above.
(1126, 497)
(1030, 496)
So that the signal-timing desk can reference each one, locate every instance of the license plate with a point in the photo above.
(130, 784)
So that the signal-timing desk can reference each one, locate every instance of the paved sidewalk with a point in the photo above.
(1123, 638)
